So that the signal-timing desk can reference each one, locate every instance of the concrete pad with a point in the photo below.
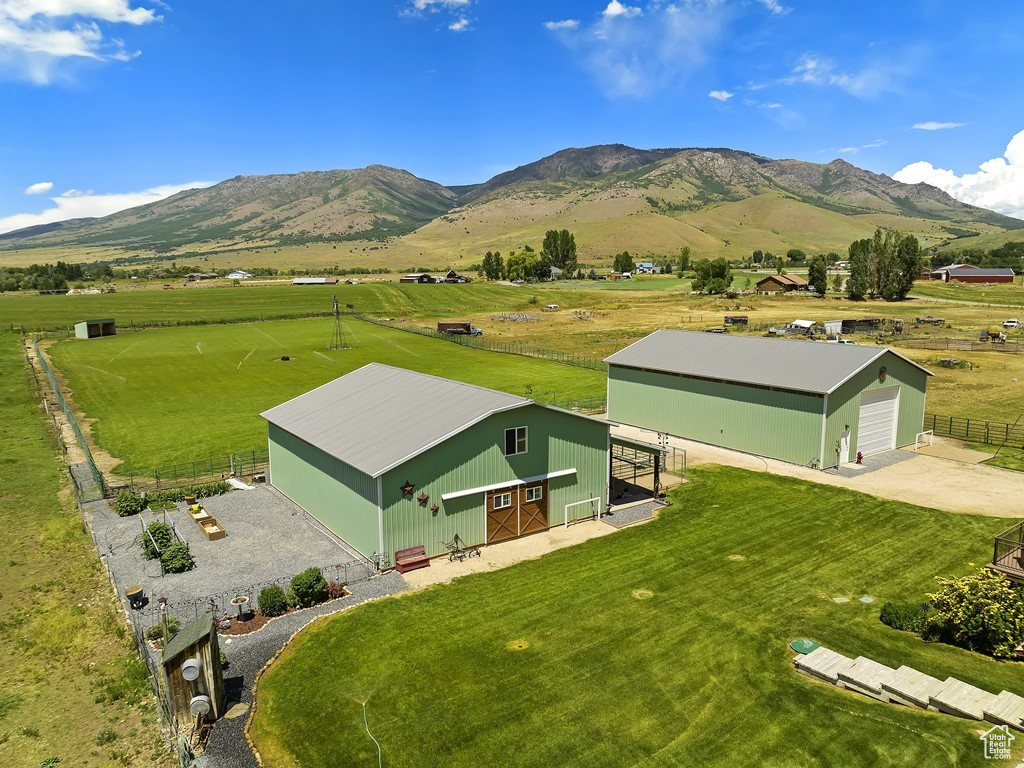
(962, 700)
(823, 664)
(865, 676)
(911, 688)
(1008, 709)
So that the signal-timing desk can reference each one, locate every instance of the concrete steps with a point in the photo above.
(1007, 709)
(823, 664)
(911, 688)
(866, 676)
(962, 700)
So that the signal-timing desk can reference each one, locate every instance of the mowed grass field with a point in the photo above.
(71, 687)
(557, 662)
(171, 395)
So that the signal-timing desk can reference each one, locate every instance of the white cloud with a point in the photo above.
(564, 24)
(634, 51)
(934, 126)
(870, 81)
(36, 36)
(433, 5)
(998, 185)
(855, 150)
(615, 8)
(461, 24)
(720, 95)
(40, 188)
(771, 105)
(775, 7)
(75, 204)
(452, 9)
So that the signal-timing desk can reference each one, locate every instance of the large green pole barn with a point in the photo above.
(804, 402)
(389, 459)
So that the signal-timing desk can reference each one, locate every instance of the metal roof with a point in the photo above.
(187, 636)
(799, 366)
(976, 271)
(378, 416)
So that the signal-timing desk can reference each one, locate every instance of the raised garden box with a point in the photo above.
(211, 529)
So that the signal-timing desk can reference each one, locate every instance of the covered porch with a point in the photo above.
(1008, 553)
(640, 471)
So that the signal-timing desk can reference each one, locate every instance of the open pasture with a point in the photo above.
(660, 645)
(169, 395)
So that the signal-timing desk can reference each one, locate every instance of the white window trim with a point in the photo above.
(506, 494)
(526, 440)
(537, 491)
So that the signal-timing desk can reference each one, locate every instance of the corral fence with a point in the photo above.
(97, 477)
(58, 333)
(976, 430)
(506, 347)
(220, 603)
(965, 345)
(246, 464)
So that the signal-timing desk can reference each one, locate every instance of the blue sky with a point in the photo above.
(110, 103)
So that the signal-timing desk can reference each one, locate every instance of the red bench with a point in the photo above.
(410, 559)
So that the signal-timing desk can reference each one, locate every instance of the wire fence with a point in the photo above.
(478, 342)
(246, 464)
(65, 332)
(976, 430)
(965, 345)
(97, 476)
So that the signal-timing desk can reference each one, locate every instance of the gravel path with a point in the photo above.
(623, 517)
(248, 654)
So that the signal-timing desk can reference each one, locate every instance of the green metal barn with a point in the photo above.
(803, 402)
(390, 459)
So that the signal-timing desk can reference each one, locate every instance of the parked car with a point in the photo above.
(1014, 323)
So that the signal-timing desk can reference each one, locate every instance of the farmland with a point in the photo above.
(699, 673)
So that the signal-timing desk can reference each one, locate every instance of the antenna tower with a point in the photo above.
(338, 337)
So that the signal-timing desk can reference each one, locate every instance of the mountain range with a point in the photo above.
(613, 197)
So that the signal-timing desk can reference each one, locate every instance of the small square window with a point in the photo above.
(515, 441)
(502, 500)
(535, 494)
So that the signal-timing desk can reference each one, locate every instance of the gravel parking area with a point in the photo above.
(267, 537)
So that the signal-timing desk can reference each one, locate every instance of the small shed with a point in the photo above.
(193, 678)
(94, 329)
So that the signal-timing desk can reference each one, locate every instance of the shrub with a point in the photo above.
(908, 617)
(106, 736)
(162, 534)
(982, 612)
(335, 589)
(309, 588)
(224, 663)
(272, 601)
(174, 495)
(176, 558)
(156, 631)
(127, 504)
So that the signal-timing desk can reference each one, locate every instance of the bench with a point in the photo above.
(410, 559)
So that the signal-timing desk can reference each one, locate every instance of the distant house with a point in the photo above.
(556, 273)
(193, 277)
(454, 277)
(315, 281)
(418, 277)
(643, 267)
(840, 265)
(965, 273)
(238, 274)
(781, 284)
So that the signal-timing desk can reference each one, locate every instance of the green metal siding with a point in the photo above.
(844, 403)
(475, 458)
(339, 496)
(775, 423)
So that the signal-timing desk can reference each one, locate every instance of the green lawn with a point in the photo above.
(70, 685)
(1002, 293)
(699, 674)
(168, 395)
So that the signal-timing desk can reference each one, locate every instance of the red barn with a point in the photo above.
(967, 274)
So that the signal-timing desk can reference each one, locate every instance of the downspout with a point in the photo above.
(824, 424)
(380, 517)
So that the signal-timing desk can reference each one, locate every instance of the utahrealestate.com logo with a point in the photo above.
(997, 742)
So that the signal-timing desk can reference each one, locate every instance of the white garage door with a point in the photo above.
(878, 412)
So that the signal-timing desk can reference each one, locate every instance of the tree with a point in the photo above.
(983, 612)
(492, 266)
(560, 249)
(684, 259)
(623, 262)
(712, 276)
(817, 275)
(859, 282)
(521, 266)
(757, 257)
(796, 255)
(838, 281)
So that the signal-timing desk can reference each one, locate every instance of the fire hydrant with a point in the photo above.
(860, 457)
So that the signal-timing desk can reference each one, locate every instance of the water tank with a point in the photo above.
(191, 669)
(200, 705)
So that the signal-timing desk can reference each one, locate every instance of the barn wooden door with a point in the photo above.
(502, 515)
(533, 508)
